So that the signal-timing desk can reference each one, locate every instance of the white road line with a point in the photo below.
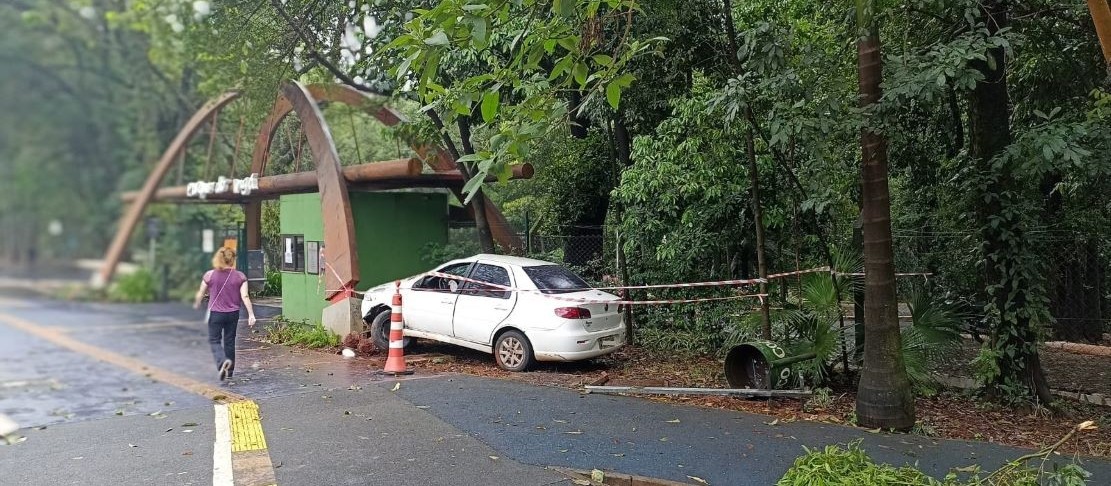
(221, 453)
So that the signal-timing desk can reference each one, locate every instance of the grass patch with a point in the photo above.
(135, 287)
(300, 333)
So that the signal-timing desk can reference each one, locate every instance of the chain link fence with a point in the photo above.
(1073, 265)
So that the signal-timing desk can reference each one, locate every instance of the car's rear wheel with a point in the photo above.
(513, 352)
(380, 331)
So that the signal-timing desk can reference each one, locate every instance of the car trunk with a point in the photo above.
(603, 316)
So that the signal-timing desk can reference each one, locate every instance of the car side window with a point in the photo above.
(492, 274)
(441, 284)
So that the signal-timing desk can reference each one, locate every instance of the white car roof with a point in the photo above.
(510, 260)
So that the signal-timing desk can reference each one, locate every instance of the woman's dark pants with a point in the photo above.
(221, 336)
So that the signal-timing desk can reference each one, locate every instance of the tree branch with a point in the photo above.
(311, 47)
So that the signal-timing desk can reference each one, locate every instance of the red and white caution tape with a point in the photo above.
(488, 286)
(718, 283)
(580, 300)
(861, 274)
(656, 302)
(799, 272)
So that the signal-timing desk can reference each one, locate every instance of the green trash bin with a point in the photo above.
(762, 364)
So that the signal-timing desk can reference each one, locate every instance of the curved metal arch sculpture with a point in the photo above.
(173, 152)
(338, 93)
(341, 256)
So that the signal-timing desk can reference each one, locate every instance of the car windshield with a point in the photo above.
(554, 279)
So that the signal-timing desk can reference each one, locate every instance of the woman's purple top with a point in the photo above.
(223, 289)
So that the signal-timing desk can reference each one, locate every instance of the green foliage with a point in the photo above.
(138, 286)
(851, 466)
(273, 286)
(508, 62)
(300, 333)
(835, 466)
(434, 254)
(934, 335)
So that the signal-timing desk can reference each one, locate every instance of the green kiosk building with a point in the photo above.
(391, 231)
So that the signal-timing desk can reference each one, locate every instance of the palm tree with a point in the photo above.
(884, 397)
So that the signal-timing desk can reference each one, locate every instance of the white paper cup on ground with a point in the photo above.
(7, 425)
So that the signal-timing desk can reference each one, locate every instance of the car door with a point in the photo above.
(430, 304)
(480, 308)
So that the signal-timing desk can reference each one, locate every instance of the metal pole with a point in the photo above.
(528, 235)
(153, 243)
(164, 295)
(623, 269)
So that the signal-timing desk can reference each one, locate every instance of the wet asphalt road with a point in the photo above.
(333, 421)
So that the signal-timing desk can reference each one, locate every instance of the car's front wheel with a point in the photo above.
(513, 352)
(380, 331)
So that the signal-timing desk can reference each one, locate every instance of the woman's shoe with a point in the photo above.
(225, 367)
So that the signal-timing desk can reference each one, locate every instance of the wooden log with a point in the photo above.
(391, 174)
(1080, 348)
(659, 390)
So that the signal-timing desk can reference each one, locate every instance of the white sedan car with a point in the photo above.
(552, 315)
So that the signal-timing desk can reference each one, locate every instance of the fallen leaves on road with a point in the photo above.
(697, 479)
(598, 476)
(396, 387)
(189, 424)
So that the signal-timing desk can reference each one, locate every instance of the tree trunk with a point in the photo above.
(1013, 337)
(1101, 16)
(753, 175)
(758, 219)
(884, 398)
(478, 202)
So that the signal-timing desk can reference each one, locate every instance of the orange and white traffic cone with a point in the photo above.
(395, 363)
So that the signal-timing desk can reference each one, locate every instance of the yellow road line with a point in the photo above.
(249, 462)
(122, 327)
(246, 428)
(61, 339)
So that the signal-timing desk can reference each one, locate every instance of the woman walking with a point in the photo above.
(227, 289)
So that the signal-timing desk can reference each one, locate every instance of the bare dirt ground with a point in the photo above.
(1066, 371)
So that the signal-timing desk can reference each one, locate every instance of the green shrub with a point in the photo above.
(300, 333)
(314, 336)
(273, 285)
(135, 287)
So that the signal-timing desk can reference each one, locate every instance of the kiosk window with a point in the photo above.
(293, 253)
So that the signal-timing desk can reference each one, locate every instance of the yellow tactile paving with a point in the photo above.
(246, 427)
